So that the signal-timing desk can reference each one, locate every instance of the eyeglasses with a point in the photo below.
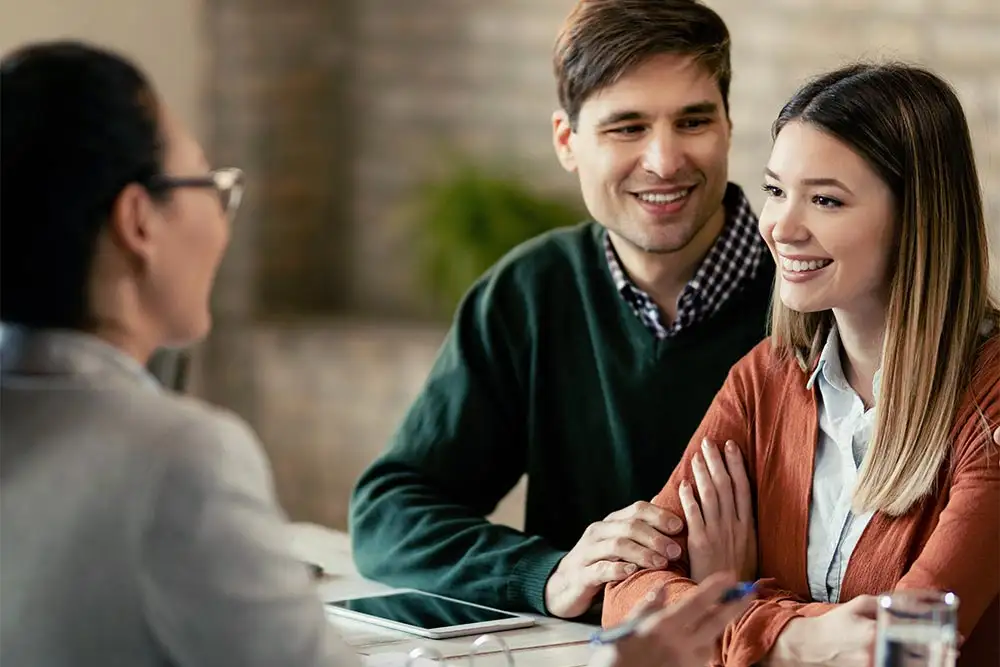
(227, 182)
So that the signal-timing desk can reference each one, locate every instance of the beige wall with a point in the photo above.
(164, 36)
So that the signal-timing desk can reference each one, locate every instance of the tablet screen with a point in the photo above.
(422, 611)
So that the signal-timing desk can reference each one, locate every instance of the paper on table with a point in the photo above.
(396, 660)
(578, 655)
(372, 639)
(365, 635)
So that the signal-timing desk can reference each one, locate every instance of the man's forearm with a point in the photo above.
(405, 534)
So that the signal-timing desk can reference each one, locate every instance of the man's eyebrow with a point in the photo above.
(620, 117)
(624, 115)
(699, 108)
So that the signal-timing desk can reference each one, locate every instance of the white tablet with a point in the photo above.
(427, 615)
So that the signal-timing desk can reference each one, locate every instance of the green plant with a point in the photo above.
(468, 220)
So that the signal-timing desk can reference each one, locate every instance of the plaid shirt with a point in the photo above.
(731, 263)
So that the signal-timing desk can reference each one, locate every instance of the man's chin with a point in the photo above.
(679, 238)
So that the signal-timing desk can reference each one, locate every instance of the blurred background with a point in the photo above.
(395, 148)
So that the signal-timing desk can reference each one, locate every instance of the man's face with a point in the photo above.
(651, 152)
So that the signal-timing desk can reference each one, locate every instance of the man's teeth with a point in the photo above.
(801, 266)
(662, 198)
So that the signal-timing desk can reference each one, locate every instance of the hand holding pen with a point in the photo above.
(683, 634)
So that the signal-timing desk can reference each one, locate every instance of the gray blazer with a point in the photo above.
(139, 527)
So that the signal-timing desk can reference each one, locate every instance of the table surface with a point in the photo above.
(551, 642)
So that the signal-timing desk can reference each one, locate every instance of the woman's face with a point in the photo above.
(192, 236)
(829, 221)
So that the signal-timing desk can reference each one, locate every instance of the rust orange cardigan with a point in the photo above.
(948, 541)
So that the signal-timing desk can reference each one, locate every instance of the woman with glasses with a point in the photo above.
(139, 527)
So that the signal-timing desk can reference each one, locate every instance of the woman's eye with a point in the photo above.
(827, 202)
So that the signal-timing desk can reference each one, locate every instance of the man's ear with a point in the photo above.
(132, 221)
(562, 131)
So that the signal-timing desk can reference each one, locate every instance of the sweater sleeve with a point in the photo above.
(728, 418)
(418, 514)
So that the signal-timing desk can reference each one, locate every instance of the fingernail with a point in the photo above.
(659, 561)
(731, 447)
(673, 552)
(674, 525)
(631, 568)
(705, 446)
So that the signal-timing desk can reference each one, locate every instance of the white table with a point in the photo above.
(551, 642)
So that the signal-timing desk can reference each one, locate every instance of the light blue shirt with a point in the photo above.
(845, 430)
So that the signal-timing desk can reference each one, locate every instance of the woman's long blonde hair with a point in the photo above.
(909, 126)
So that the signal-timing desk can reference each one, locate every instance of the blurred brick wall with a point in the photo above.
(336, 109)
(476, 75)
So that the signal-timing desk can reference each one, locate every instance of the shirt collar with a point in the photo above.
(736, 252)
(832, 371)
(50, 352)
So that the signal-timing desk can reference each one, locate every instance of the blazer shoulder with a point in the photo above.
(204, 439)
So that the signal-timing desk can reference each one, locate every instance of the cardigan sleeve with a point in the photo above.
(728, 418)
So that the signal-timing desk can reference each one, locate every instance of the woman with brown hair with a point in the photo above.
(866, 419)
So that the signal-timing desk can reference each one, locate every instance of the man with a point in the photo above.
(586, 357)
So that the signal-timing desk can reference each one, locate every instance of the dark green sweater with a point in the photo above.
(545, 371)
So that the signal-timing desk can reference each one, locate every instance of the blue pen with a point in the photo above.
(628, 628)
(738, 592)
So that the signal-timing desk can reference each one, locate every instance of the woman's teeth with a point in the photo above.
(662, 197)
(800, 266)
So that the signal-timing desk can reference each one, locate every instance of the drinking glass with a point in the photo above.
(916, 628)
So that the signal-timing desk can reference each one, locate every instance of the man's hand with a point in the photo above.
(722, 535)
(611, 550)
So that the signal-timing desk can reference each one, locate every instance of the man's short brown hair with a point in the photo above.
(602, 39)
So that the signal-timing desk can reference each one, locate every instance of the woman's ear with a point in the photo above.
(133, 222)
